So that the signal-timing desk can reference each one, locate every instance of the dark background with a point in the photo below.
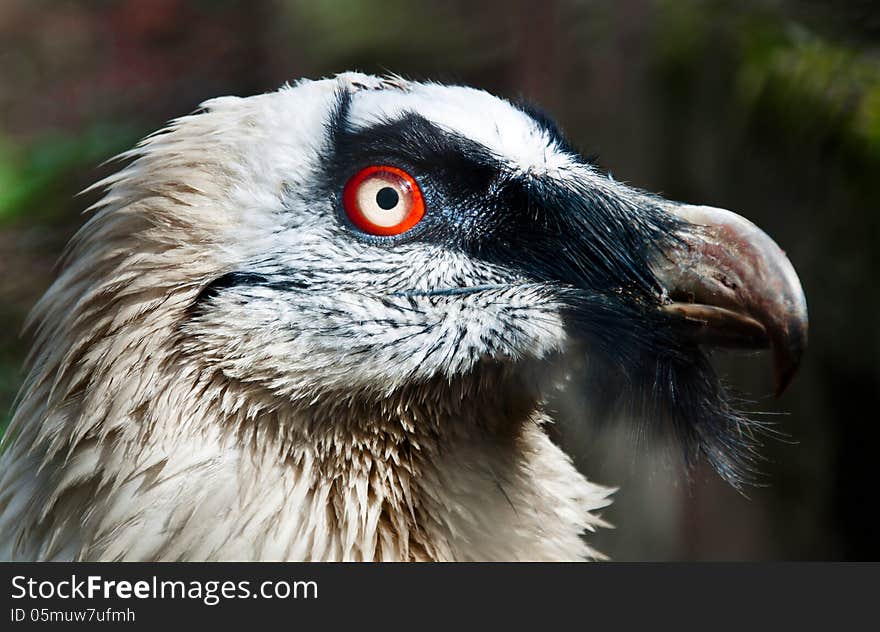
(771, 109)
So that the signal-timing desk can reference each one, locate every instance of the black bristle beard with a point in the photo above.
(637, 369)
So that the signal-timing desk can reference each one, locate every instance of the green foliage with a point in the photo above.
(805, 82)
(35, 180)
(814, 82)
(31, 174)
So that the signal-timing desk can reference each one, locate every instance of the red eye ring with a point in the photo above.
(383, 200)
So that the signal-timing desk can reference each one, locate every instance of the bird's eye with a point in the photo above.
(383, 200)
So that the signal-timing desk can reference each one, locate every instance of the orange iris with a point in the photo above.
(383, 200)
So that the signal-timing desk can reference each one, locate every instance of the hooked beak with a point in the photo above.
(728, 284)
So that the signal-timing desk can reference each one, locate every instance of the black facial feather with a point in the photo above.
(285, 282)
(226, 281)
(595, 246)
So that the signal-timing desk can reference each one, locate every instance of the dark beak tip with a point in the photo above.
(783, 378)
(788, 353)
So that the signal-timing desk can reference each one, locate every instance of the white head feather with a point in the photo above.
(338, 422)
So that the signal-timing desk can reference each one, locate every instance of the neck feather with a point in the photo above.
(442, 471)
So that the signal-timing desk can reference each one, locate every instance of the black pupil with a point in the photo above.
(387, 198)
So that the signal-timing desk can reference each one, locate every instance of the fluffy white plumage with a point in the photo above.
(144, 432)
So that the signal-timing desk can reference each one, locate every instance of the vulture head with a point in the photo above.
(324, 323)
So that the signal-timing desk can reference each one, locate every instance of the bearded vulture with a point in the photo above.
(324, 323)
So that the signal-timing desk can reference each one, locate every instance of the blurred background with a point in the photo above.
(769, 108)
